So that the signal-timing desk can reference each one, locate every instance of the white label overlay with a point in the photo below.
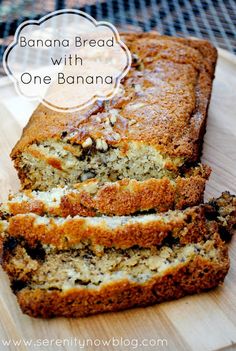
(67, 60)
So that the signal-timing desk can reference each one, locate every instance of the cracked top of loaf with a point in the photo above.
(162, 102)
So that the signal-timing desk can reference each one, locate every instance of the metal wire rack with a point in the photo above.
(210, 19)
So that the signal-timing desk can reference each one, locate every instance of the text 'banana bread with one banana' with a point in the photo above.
(152, 128)
(55, 271)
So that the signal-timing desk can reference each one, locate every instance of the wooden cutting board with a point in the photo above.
(200, 322)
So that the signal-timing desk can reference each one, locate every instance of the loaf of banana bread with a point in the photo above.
(152, 128)
(83, 237)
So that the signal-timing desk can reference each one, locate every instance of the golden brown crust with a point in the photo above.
(192, 277)
(34, 206)
(120, 198)
(175, 78)
(189, 226)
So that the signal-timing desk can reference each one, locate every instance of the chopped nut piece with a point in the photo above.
(88, 142)
(87, 175)
(137, 88)
(98, 119)
(116, 136)
(121, 91)
(73, 134)
(114, 113)
(104, 145)
(107, 121)
(98, 144)
(136, 106)
(131, 122)
(101, 145)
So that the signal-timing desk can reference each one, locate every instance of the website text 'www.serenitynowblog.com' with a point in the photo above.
(119, 343)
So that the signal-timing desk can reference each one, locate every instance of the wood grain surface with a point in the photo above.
(200, 322)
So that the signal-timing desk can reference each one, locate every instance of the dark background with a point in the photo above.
(210, 19)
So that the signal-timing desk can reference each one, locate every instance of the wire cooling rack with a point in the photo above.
(210, 19)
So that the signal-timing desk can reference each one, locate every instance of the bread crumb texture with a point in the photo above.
(77, 282)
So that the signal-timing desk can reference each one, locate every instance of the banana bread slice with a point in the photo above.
(189, 225)
(152, 128)
(124, 197)
(76, 282)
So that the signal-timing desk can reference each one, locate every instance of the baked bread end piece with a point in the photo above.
(198, 274)
(153, 128)
(76, 282)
